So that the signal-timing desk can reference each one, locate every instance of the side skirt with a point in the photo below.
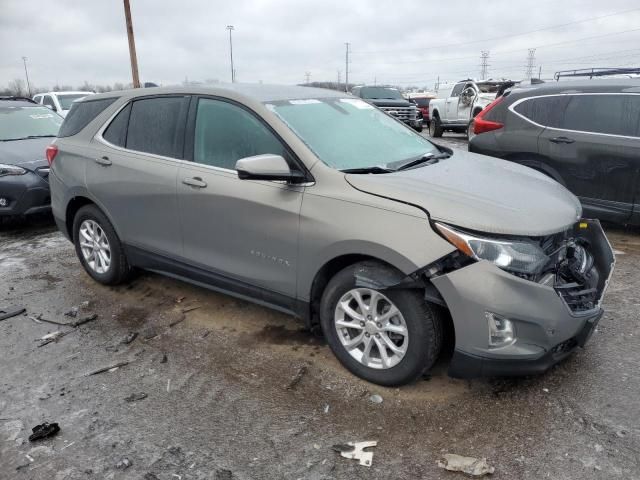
(217, 282)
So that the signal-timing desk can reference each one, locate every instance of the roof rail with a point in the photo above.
(596, 72)
(18, 98)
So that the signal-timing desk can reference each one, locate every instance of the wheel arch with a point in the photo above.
(75, 204)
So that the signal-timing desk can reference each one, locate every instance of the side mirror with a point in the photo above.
(266, 167)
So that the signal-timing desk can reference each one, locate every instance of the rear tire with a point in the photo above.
(421, 322)
(435, 127)
(98, 247)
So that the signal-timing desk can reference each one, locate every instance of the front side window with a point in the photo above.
(154, 126)
(18, 123)
(348, 133)
(225, 133)
(457, 90)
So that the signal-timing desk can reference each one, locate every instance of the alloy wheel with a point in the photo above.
(371, 328)
(95, 246)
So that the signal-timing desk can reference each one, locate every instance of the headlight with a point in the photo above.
(11, 170)
(520, 256)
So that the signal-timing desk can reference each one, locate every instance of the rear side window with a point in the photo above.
(598, 114)
(156, 126)
(116, 132)
(545, 111)
(81, 115)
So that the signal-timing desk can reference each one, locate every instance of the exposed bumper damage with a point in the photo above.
(552, 314)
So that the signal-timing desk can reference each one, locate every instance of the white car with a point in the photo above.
(60, 101)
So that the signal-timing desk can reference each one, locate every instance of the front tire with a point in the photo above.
(386, 336)
(98, 247)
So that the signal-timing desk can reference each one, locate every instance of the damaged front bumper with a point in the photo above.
(551, 318)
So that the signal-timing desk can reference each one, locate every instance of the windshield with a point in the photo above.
(348, 133)
(376, 93)
(20, 122)
(67, 100)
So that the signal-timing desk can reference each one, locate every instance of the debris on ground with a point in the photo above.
(469, 465)
(223, 474)
(375, 398)
(123, 464)
(134, 397)
(190, 308)
(326, 408)
(53, 337)
(164, 358)
(297, 378)
(355, 451)
(131, 336)
(180, 319)
(6, 313)
(73, 312)
(83, 320)
(110, 368)
(44, 430)
(150, 476)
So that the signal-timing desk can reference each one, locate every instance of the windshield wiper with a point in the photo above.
(27, 137)
(374, 169)
(428, 159)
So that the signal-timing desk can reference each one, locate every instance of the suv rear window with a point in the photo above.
(545, 111)
(81, 114)
(156, 125)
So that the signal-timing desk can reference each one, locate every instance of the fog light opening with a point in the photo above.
(4, 202)
(501, 331)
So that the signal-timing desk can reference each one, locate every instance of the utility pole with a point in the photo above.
(540, 73)
(24, 60)
(339, 72)
(307, 75)
(132, 45)
(233, 72)
(346, 72)
(484, 65)
(531, 58)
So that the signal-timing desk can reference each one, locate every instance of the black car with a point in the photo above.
(584, 134)
(26, 129)
(391, 101)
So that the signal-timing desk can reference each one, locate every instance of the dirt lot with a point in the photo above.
(237, 391)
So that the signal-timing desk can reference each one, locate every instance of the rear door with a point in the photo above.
(243, 230)
(595, 148)
(134, 170)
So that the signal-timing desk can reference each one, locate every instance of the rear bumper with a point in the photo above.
(26, 194)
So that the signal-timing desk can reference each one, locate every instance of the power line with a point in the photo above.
(552, 27)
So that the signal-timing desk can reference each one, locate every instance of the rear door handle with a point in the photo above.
(561, 140)
(196, 182)
(104, 161)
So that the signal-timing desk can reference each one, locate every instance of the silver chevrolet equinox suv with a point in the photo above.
(317, 204)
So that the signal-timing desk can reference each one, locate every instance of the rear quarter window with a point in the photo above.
(81, 114)
(545, 111)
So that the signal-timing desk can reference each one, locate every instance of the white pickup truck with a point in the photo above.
(457, 104)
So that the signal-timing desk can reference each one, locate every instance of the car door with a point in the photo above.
(594, 150)
(243, 230)
(465, 102)
(452, 102)
(134, 170)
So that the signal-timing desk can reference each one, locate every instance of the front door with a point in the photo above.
(596, 151)
(452, 103)
(244, 230)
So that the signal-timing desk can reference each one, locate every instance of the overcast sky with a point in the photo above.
(404, 42)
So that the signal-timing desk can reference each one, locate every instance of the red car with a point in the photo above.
(422, 102)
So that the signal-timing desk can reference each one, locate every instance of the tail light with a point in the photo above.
(51, 152)
(480, 125)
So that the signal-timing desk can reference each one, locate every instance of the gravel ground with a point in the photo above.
(237, 391)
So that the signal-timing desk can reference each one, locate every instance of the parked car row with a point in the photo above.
(59, 101)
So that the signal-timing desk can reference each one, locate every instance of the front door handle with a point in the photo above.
(196, 182)
(104, 161)
(561, 140)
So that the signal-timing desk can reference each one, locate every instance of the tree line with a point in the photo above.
(18, 87)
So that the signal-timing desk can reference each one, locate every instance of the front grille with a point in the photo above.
(578, 298)
(406, 114)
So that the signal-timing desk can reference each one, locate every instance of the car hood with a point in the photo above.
(28, 153)
(388, 102)
(480, 193)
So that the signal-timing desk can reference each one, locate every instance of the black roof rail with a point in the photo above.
(17, 98)
(596, 72)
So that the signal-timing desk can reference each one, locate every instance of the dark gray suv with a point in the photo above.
(320, 205)
(585, 135)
